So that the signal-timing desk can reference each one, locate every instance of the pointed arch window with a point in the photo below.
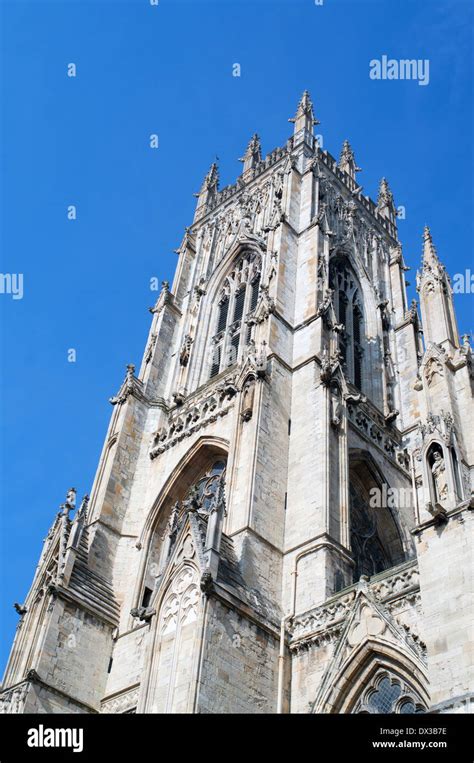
(388, 693)
(238, 301)
(196, 490)
(369, 553)
(375, 538)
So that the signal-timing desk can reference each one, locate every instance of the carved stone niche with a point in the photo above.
(441, 476)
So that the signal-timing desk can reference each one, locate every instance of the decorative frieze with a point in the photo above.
(324, 623)
(373, 427)
(124, 702)
(13, 700)
(195, 414)
(321, 618)
(399, 584)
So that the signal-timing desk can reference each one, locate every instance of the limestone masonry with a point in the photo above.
(281, 519)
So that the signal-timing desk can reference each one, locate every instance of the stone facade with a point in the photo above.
(281, 519)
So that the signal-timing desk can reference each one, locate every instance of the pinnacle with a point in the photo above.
(429, 250)
(305, 109)
(347, 160)
(385, 193)
(253, 150)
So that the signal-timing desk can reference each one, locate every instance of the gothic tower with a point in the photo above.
(281, 513)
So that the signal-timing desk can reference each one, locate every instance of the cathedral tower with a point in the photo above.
(281, 512)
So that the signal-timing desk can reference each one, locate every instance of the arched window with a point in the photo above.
(196, 489)
(387, 693)
(367, 547)
(350, 315)
(376, 544)
(238, 301)
(202, 493)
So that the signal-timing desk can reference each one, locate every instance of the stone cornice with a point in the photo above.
(71, 596)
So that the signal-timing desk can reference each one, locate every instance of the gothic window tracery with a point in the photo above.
(369, 554)
(350, 315)
(238, 300)
(376, 544)
(196, 490)
(387, 693)
(203, 492)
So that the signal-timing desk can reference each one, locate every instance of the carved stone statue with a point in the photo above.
(185, 350)
(248, 395)
(336, 407)
(258, 358)
(438, 471)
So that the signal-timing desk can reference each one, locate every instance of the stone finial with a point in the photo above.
(208, 193)
(253, 154)
(70, 502)
(430, 257)
(82, 511)
(436, 298)
(304, 117)
(385, 196)
(211, 180)
(347, 162)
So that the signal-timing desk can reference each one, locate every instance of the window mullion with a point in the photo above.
(226, 344)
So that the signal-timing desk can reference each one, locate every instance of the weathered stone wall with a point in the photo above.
(240, 665)
(75, 655)
(445, 557)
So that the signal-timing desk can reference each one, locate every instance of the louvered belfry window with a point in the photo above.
(239, 305)
(223, 312)
(238, 301)
(254, 297)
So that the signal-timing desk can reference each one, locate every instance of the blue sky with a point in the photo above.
(85, 141)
